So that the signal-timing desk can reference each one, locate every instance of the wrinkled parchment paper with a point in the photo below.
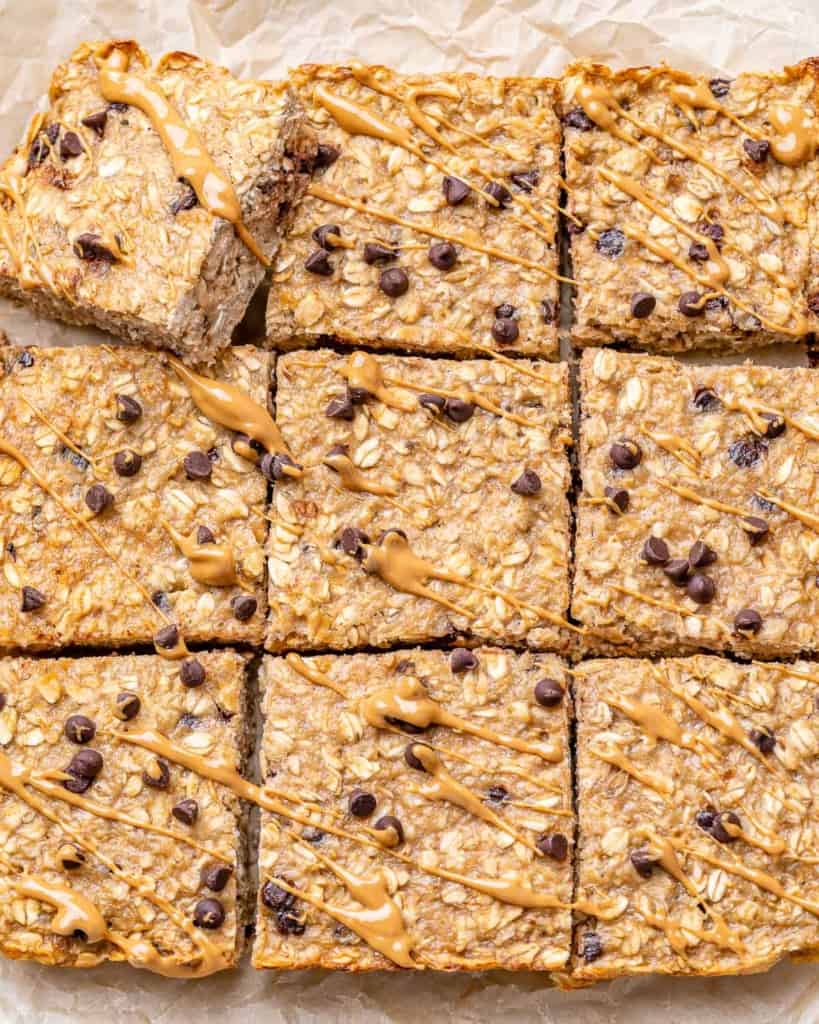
(261, 39)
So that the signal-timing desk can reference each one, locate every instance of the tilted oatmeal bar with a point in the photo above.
(697, 786)
(146, 200)
(426, 816)
(697, 523)
(108, 852)
(125, 512)
(433, 502)
(431, 222)
(694, 206)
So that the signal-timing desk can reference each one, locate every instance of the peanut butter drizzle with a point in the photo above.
(514, 364)
(476, 398)
(677, 933)
(408, 701)
(74, 911)
(808, 518)
(787, 670)
(363, 370)
(681, 449)
(66, 440)
(313, 675)
(186, 150)
(353, 479)
(677, 609)
(212, 564)
(796, 136)
(775, 847)
(328, 196)
(657, 725)
(601, 107)
(692, 94)
(751, 410)
(230, 407)
(612, 755)
(691, 495)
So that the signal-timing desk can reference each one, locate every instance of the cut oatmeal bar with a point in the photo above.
(106, 851)
(697, 523)
(103, 221)
(432, 822)
(124, 508)
(697, 785)
(694, 206)
(431, 223)
(433, 502)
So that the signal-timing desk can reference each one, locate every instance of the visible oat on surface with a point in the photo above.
(628, 289)
(496, 133)
(84, 417)
(37, 699)
(732, 794)
(741, 437)
(454, 499)
(319, 748)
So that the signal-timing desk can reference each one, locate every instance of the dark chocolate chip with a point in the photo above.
(197, 466)
(690, 304)
(642, 305)
(756, 528)
(642, 862)
(746, 451)
(719, 87)
(592, 947)
(611, 243)
(319, 263)
(350, 540)
(275, 898)
(215, 876)
(458, 410)
(167, 638)
(326, 156)
(243, 607)
(118, 108)
(711, 230)
(128, 409)
(70, 145)
(504, 310)
(312, 834)
(463, 660)
(127, 462)
(74, 458)
(186, 200)
(432, 403)
(500, 193)
(706, 399)
(548, 311)
(763, 740)
(747, 620)
(505, 330)
(677, 569)
(320, 236)
(362, 803)
(625, 454)
(31, 599)
(127, 705)
(555, 846)
(394, 282)
(89, 246)
(273, 466)
(443, 255)
(71, 857)
(548, 692)
(25, 359)
(160, 599)
(718, 829)
(527, 484)
(96, 122)
(411, 759)
(191, 672)
(389, 821)
(705, 819)
(526, 181)
(701, 555)
(578, 118)
(288, 923)
(619, 496)
(209, 913)
(698, 252)
(86, 764)
(497, 794)
(204, 535)
(186, 811)
(374, 252)
(79, 729)
(340, 408)
(98, 498)
(358, 396)
(159, 775)
(701, 588)
(762, 503)
(455, 190)
(776, 424)
(655, 551)
(757, 149)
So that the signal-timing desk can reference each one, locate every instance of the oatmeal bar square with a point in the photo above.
(101, 224)
(697, 783)
(108, 852)
(124, 510)
(432, 503)
(697, 524)
(692, 205)
(431, 224)
(426, 814)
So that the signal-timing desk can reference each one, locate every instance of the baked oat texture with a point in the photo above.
(742, 437)
(765, 238)
(742, 742)
(488, 130)
(318, 747)
(449, 490)
(185, 278)
(53, 398)
(119, 867)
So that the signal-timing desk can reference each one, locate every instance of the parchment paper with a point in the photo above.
(496, 36)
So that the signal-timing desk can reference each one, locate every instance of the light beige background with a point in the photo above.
(498, 36)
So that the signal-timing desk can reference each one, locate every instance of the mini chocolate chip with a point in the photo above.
(755, 527)
(362, 803)
(25, 359)
(243, 607)
(747, 620)
(677, 569)
(463, 660)
(320, 236)
(642, 305)
(204, 535)
(389, 821)
(705, 819)
(458, 410)
(505, 330)
(358, 396)
(340, 408)
(312, 834)
(186, 200)
(215, 876)
(86, 764)
(763, 740)
(70, 145)
(443, 255)
(776, 424)
(167, 638)
(720, 832)
(288, 923)
(747, 451)
(79, 729)
(555, 846)
(209, 913)
(197, 466)
(592, 947)
(273, 466)
(433, 403)
(757, 149)
(701, 555)
(118, 108)
(527, 484)
(504, 310)
(275, 898)
(655, 551)
(98, 498)
(89, 246)
(319, 263)
(31, 599)
(394, 282)
(711, 230)
(350, 540)
(701, 588)
(74, 458)
(158, 776)
(160, 599)
(761, 503)
(374, 252)
(698, 252)
(526, 181)
(611, 243)
(40, 148)
(127, 705)
(578, 118)
(326, 156)
(619, 496)
(642, 862)
(548, 311)
(192, 672)
(500, 193)
(455, 190)
(626, 454)
(96, 122)
(127, 462)
(719, 87)
(497, 794)
(690, 304)
(186, 811)
(71, 857)
(128, 409)
(548, 692)
(411, 759)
